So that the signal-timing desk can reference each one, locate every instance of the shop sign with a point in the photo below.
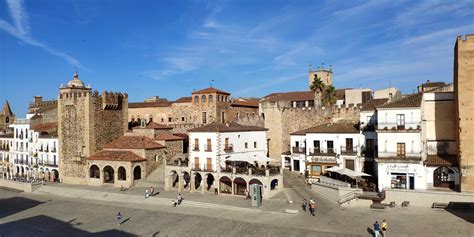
(399, 168)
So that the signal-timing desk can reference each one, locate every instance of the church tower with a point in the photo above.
(324, 74)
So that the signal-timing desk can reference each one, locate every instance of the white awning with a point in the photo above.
(249, 159)
(348, 172)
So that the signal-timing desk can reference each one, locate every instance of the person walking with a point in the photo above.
(384, 227)
(304, 205)
(376, 229)
(312, 206)
(180, 199)
(118, 218)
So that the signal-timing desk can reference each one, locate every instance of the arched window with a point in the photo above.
(203, 98)
(151, 119)
(94, 172)
(121, 173)
(196, 99)
(210, 98)
(218, 97)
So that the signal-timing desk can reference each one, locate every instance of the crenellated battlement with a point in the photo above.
(113, 100)
(467, 38)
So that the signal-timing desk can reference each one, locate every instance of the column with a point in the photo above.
(191, 182)
(232, 185)
(180, 182)
(203, 186)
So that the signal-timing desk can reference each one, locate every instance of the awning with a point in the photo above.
(249, 159)
(347, 172)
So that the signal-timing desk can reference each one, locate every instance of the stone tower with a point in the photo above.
(7, 117)
(86, 121)
(324, 74)
(464, 103)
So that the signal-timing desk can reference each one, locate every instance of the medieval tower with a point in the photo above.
(86, 121)
(324, 74)
(463, 89)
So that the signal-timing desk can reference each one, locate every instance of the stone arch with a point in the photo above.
(174, 178)
(196, 99)
(203, 99)
(225, 185)
(210, 181)
(274, 184)
(94, 172)
(210, 98)
(137, 172)
(441, 177)
(186, 179)
(240, 185)
(109, 174)
(55, 175)
(121, 173)
(255, 181)
(197, 180)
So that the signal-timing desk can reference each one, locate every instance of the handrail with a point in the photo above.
(348, 197)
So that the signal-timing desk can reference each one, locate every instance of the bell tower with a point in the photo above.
(324, 74)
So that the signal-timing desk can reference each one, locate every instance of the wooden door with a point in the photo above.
(196, 163)
(350, 164)
(209, 163)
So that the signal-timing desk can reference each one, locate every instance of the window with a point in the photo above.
(196, 99)
(254, 144)
(208, 147)
(300, 104)
(169, 120)
(210, 98)
(218, 97)
(330, 146)
(162, 120)
(246, 145)
(310, 103)
(196, 144)
(349, 144)
(203, 98)
(317, 146)
(226, 144)
(223, 117)
(297, 144)
(315, 169)
(400, 150)
(182, 119)
(151, 119)
(204, 117)
(400, 121)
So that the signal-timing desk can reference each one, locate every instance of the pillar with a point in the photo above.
(191, 182)
(233, 186)
(203, 186)
(180, 182)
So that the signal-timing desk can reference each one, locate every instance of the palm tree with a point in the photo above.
(317, 87)
(329, 95)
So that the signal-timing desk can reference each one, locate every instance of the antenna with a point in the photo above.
(210, 84)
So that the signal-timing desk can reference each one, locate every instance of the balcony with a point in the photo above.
(201, 167)
(178, 163)
(54, 149)
(323, 152)
(298, 150)
(208, 149)
(227, 169)
(407, 156)
(196, 148)
(229, 149)
(350, 151)
(393, 126)
(50, 164)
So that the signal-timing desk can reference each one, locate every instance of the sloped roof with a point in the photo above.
(133, 142)
(161, 103)
(168, 137)
(53, 134)
(116, 156)
(183, 100)
(441, 160)
(210, 90)
(156, 126)
(410, 101)
(6, 109)
(373, 103)
(245, 103)
(227, 127)
(45, 127)
(329, 128)
(290, 96)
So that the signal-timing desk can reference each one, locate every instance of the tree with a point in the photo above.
(317, 87)
(329, 95)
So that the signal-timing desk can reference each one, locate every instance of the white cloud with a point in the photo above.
(20, 29)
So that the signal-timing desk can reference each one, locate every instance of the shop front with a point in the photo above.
(401, 176)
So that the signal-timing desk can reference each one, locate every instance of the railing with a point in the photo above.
(226, 169)
(298, 149)
(348, 150)
(409, 125)
(229, 149)
(393, 155)
(258, 172)
(273, 170)
(322, 152)
(196, 148)
(54, 149)
(239, 170)
(177, 163)
(51, 164)
(201, 167)
(348, 197)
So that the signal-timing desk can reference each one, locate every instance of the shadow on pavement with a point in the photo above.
(463, 210)
(47, 226)
(14, 205)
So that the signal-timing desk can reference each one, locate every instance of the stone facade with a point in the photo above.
(86, 121)
(463, 91)
(7, 117)
(324, 74)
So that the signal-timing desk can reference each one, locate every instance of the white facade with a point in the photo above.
(239, 144)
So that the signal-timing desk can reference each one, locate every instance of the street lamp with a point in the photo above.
(305, 163)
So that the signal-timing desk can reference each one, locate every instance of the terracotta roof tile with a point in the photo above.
(441, 160)
(6, 135)
(157, 126)
(45, 127)
(133, 142)
(290, 96)
(168, 137)
(116, 156)
(410, 101)
(183, 100)
(227, 127)
(163, 103)
(245, 103)
(373, 103)
(329, 128)
(210, 90)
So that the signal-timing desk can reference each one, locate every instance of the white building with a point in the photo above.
(399, 161)
(315, 149)
(6, 141)
(226, 158)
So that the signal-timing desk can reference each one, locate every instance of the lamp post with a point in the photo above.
(305, 163)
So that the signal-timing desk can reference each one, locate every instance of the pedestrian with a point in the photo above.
(384, 227)
(152, 191)
(247, 194)
(146, 193)
(304, 205)
(376, 229)
(180, 199)
(118, 218)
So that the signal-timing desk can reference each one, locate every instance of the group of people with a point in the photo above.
(178, 200)
(380, 228)
(149, 192)
(311, 205)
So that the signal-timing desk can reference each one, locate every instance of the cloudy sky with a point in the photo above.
(247, 47)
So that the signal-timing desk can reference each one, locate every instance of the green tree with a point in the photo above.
(329, 95)
(317, 86)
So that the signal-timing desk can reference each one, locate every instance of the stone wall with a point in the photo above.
(109, 124)
(155, 158)
(425, 198)
(173, 148)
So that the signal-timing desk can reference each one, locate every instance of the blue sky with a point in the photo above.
(249, 48)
